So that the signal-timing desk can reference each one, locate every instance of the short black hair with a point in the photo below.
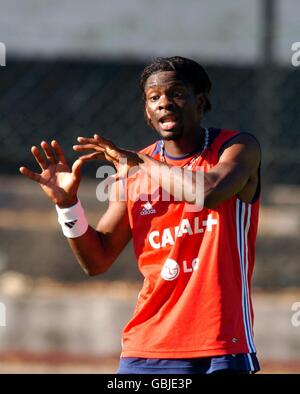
(192, 71)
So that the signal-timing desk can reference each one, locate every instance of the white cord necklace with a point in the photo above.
(190, 163)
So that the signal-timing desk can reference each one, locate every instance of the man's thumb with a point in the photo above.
(76, 168)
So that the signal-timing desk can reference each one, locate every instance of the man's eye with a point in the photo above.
(178, 94)
(154, 98)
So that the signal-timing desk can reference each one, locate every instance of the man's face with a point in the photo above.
(172, 107)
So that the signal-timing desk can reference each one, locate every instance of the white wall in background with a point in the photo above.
(214, 30)
(288, 29)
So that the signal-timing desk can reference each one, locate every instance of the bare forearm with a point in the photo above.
(90, 252)
(182, 184)
(203, 189)
(238, 163)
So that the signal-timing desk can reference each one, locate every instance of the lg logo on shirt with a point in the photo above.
(171, 268)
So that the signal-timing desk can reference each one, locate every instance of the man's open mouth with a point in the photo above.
(168, 122)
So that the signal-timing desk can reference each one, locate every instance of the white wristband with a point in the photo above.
(72, 220)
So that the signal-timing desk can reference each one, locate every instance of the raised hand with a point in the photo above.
(58, 181)
(104, 149)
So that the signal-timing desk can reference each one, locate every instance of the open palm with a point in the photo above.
(58, 181)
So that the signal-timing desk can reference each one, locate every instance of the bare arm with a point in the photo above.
(95, 250)
(235, 173)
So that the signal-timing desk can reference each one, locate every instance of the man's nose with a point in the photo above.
(165, 102)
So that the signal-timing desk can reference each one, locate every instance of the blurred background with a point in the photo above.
(72, 69)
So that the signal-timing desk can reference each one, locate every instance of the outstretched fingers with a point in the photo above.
(104, 142)
(88, 146)
(76, 167)
(97, 139)
(39, 158)
(85, 140)
(30, 174)
(100, 139)
(49, 153)
(58, 152)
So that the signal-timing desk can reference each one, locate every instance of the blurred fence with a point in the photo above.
(50, 99)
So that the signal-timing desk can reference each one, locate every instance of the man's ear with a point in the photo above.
(147, 114)
(201, 102)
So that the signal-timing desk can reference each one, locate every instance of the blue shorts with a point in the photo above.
(231, 363)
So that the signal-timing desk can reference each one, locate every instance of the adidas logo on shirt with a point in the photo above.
(147, 209)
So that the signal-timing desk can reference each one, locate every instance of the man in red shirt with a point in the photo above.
(194, 313)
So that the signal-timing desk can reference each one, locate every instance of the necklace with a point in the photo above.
(190, 163)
